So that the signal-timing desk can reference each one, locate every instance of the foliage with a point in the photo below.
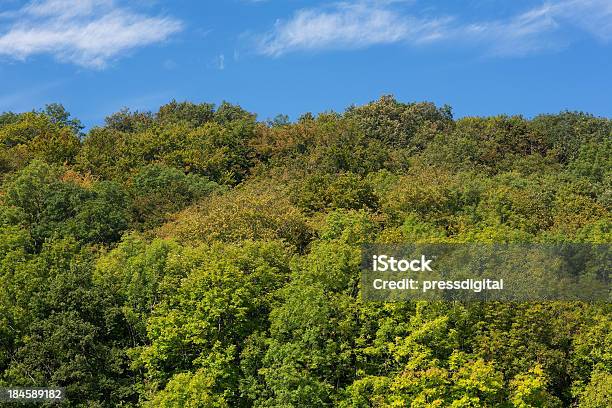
(28, 136)
(195, 257)
(158, 191)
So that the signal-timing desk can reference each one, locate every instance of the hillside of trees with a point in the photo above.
(198, 257)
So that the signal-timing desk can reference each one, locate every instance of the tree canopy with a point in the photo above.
(198, 257)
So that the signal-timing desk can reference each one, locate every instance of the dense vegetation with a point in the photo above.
(196, 257)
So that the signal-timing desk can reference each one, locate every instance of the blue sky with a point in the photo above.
(482, 57)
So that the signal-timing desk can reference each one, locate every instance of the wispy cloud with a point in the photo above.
(220, 62)
(365, 23)
(89, 33)
(347, 25)
(542, 27)
(518, 35)
(592, 16)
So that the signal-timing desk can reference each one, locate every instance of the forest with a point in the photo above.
(199, 257)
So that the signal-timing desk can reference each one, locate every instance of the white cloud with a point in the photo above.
(62, 9)
(86, 32)
(592, 16)
(370, 22)
(543, 27)
(518, 35)
(347, 25)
